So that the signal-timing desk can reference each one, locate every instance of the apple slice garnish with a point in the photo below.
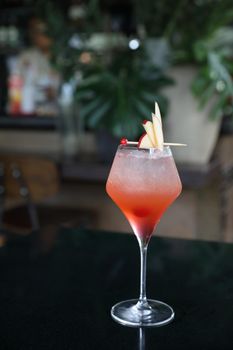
(154, 132)
(155, 117)
(158, 132)
(148, 126)
(157, 112)
(145, 142)
(153, 138)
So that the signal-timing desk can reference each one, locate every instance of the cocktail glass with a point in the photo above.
(143, 183)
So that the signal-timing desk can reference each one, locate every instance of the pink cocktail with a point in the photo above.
(143, 183)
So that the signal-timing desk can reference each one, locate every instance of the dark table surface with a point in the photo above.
(57, 293)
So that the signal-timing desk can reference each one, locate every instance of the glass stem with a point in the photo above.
(142, 340)
(142, 302)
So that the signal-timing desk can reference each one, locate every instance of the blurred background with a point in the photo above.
(77, 76)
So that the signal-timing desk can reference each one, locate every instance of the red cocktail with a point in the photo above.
(143, 183)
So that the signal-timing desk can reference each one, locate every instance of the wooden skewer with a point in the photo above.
(165, 143)
(174, 144)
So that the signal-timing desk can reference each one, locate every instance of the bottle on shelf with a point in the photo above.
(15, 86)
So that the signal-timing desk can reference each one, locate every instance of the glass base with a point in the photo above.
(131, 313)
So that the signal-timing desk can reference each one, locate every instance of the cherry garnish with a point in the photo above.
(124, 141)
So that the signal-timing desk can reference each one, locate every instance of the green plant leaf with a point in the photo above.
(220, 70)
(83, 94)
(89, 107)
(122, 93)
(217, 110)
(148, 96)
(99, 113)
(207, 94)
(142, 108)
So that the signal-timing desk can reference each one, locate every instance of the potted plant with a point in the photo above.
(207, 89)
(116, 95)
(201, 68)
